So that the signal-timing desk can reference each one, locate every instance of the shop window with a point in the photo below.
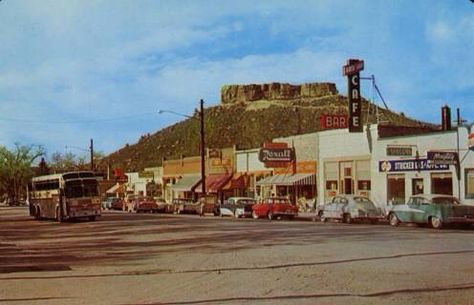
(442, 183)
(469, 178)
(363, 185)
(331, 185)
(396, 189)
(417, 186)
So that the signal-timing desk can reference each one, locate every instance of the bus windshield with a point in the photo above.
(81, 188)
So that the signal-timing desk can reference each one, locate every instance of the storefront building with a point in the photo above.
(403, 167)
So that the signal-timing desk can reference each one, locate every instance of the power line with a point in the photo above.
(21, 120)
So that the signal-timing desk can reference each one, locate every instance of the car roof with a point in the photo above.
(431, 196)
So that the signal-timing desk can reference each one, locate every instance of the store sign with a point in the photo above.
(276, 155)
(351, 70)
(443, 157)
(333, 121)
(215, 153)
(399, 151)
(146, 174)
(470, 143)
(410, 165)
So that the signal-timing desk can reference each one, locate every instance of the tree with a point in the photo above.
(16, 168)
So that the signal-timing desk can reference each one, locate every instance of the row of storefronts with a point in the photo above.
(385, 163)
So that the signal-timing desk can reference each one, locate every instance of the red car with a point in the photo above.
(142, 204)
(274, 207)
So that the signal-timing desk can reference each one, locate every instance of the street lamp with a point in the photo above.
(201, 120)
(91, 150)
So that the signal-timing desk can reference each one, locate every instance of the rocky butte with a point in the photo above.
(275, 91)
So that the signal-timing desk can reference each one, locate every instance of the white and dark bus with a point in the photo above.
(64, 196)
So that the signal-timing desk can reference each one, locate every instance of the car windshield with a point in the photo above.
(242, 202)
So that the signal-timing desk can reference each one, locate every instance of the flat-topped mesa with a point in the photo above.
(274, 91)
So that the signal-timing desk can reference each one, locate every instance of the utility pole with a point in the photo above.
(203, 150)
(92, 154)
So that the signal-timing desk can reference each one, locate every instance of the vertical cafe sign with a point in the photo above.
(351, 70)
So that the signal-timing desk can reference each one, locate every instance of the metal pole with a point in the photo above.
(92, 155)
(203, 150)
(458, 166)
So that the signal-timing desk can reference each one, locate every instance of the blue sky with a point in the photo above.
(75, 70)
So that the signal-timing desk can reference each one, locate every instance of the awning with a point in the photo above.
(116, 189)
(288, 180)
(186, 184)
(238, 181)
(214, 183)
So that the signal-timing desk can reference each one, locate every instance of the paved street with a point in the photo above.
(184, 259)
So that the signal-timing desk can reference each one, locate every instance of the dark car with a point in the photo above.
(274, 207)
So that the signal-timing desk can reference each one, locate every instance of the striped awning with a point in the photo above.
(187, 183)
(214, 183)
(288, 180)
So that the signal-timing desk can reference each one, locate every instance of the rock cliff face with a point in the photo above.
(274, 91)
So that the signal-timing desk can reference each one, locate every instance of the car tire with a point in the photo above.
(436, 223)
(346, 218)
(91, 218)
(393, 220)
(254, 215)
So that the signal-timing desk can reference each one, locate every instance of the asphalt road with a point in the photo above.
(185, 259)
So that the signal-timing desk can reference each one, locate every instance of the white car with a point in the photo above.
(350, 208)
(237, 207)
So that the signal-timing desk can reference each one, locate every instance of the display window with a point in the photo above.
(442, 183)
(469, 178)
(417, 186)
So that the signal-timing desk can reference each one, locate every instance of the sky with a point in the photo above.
(75, 70)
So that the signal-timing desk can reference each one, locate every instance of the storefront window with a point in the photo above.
(442, 183)
(417, 186)
(363, 185)
(396, 189)
(331, 185)
(469, 178)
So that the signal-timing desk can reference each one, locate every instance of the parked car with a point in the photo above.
(117, 204)
(273, 207)
(163, 206)
(434, 209)
(186, 205)
(237, 207)
(350, 208)
(107, 203)
(142, 204)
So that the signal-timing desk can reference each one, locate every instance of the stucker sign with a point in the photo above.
(351, 70)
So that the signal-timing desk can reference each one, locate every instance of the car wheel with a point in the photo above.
(436, 223)
(92, 218)
(393, 220)
(254, 215)
(347, 218)
(270, 215)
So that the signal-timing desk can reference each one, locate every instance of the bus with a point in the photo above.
(64, 196)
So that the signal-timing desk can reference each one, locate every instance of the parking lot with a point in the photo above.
(125, 258)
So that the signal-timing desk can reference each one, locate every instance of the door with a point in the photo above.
(396, 189)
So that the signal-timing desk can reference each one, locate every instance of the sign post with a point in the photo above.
(351, 70)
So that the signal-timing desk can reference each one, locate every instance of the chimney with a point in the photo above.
(445, 118)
